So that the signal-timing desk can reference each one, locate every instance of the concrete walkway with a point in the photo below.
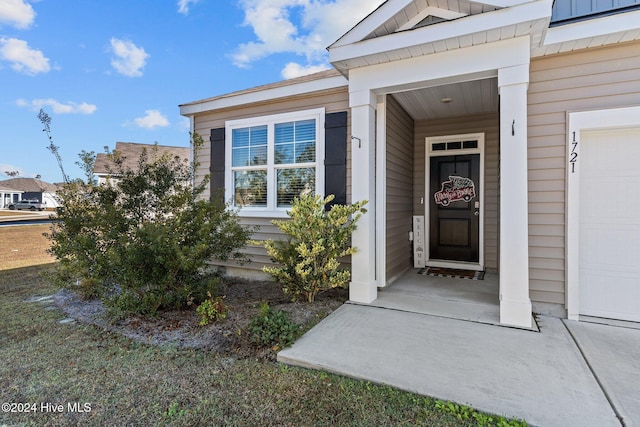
(568, 374)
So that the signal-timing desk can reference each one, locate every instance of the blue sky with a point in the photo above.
(116, 70)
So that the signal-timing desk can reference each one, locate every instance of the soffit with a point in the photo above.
(466, 98)
(590, 33)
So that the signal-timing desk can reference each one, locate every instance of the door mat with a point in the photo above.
(452, 272)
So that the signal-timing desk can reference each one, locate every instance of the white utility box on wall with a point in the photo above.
(419, 252)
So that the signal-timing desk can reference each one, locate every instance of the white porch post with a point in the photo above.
(515, 305)
(363, 286)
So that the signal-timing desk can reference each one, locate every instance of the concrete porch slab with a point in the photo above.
(463, 299)
(540, 377)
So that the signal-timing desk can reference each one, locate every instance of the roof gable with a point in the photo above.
(29, 185)
(402, 15)
(401, 29)
(131, 152)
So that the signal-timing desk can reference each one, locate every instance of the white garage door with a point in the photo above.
(609, 273)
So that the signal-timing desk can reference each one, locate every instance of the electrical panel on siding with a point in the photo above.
(419, 252)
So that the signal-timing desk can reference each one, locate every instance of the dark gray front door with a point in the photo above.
(454, 207)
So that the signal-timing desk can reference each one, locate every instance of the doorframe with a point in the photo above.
(577, 123)
(429, 153)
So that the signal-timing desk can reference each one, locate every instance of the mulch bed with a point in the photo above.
(227, 337)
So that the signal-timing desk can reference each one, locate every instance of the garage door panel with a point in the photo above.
(609, 273)
(610, 198)
(610, 296)
(614, 248)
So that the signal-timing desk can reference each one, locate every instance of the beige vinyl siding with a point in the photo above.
(399, 189)
(584, 80)
(487, 123)
(333, 101)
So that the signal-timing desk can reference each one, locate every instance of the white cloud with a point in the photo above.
(183, 6)
(303, 27)
(152, 119)
(58, 107)
(129, 59)
(17, 13)
(293, 69)
(23, 59)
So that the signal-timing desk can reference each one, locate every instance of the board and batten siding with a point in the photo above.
(487, 123)
(399, 189)
(590, 79)
(335, 100)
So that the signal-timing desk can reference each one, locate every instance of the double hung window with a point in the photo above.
(273, 159)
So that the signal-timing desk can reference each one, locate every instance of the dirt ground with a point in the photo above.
(227, 337)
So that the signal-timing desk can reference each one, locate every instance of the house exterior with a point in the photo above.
(30, 189)
(130, 153)
(8, 196)
(507, 128)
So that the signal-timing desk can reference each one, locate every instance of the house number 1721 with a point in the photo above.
(573, 155)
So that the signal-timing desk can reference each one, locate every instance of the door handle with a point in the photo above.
(476, 213)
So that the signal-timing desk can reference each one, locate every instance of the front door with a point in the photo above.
(454, 208)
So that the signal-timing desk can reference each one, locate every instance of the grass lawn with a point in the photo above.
(24, 245)
(126, 383)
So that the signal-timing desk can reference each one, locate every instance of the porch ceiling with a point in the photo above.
(467, 98)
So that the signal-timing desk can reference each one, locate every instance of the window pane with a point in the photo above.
(284, 153)
(240, 137)
(292, 183)
(259, 135)
(259, 155)
(470, 144)
(283, 132)
(302, 137)
(305, 152)
(250, 188)
(306, 130)
(249, 146)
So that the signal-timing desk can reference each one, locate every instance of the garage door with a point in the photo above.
(609, 273)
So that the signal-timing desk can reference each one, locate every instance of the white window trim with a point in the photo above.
(271, 211)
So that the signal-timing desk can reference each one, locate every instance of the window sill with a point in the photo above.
(243, 213)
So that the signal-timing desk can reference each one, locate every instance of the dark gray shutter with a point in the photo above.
(335, 153)
(217, 164)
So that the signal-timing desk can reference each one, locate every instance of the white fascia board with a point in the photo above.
(539, 9)
(265, 95)
(386, 11)
(593, 28)
(469, 63)
(503, 3)
(431, 11)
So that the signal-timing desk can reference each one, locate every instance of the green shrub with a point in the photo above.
(141, 242)
(308, 259)
(212, 309)
(273, 328)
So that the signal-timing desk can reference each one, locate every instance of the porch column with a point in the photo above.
(363, 183)
(515, 305)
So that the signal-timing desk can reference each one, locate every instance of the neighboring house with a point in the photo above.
(9, 195)
(535, 102)
(130, 153)
(33, 189)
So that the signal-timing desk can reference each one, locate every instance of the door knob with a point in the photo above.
(476, 213)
